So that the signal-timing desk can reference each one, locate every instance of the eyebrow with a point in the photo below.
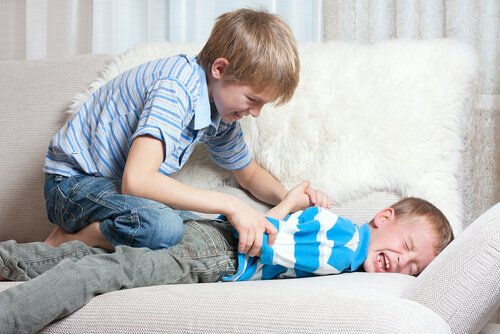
(256, 98)
(412, 244)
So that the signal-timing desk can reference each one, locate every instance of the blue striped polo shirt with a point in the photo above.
(311, 242)
(166, 99)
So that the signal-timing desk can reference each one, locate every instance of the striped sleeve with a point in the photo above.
(228, 148)
(165, 113)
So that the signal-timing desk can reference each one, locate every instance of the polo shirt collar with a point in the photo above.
(216, 120)
(202, 115)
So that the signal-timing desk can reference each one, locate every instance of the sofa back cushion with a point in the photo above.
(34, 96)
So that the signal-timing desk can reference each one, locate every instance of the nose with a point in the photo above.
(255, 112)
(404, 264)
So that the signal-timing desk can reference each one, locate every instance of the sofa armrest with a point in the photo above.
(462, 284)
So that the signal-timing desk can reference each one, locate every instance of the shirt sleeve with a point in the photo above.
(228, 148)
(164, 115)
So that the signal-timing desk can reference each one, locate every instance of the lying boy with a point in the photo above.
(403, 238)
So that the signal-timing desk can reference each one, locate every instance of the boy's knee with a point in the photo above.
(153, 226)
(159, 227)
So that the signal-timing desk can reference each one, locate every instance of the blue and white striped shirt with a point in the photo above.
(166, 99)
(310, 242)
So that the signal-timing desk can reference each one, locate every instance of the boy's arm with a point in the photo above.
(267, 188)
(298, 198)
(281, 210)
(142, 178)
(260, 183)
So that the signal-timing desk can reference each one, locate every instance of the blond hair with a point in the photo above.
(260, 49)
(409, 208)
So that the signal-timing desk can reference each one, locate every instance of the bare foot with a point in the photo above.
(90, 235)
(57, 237)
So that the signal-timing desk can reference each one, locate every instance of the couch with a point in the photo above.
(369, 124)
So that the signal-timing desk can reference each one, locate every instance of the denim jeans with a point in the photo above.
(67, 277)
(76, 201)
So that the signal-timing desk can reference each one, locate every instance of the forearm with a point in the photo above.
(177, 195)
(142, 178)
(261, 184)
(280, 211)
(296, 199)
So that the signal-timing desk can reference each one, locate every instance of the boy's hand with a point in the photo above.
(251, 226)
(297, 198)
(303, 196)
(318, 198)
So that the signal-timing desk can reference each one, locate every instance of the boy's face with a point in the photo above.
(234, 100)
(405, 248)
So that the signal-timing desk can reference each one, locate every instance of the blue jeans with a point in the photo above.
(74, 202)
(69, 276)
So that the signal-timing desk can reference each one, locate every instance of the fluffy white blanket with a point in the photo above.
(381, 117)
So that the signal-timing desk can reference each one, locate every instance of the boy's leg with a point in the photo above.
(201, 256)
(75, 202)
(22, 262)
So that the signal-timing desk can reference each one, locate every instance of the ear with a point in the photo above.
(383, 217)
(218, 67)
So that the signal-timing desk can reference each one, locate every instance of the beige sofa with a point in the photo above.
(458, 293)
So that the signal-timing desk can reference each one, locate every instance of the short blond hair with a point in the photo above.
(408, 208)
(260, 49)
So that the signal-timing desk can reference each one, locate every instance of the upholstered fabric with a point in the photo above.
(323, 305)
(34, 96)
(468, 271)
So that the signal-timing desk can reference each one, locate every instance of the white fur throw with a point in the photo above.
(381, 117)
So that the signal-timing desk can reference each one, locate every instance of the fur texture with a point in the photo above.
(365, 118)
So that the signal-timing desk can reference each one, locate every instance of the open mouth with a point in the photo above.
(234, 116)
(240, 114)
(383, 263)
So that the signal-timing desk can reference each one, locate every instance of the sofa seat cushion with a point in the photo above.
(316, 305)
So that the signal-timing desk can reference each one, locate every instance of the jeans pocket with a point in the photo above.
(200, 240)
(227, 267)
(49, 188)
(66, 213)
